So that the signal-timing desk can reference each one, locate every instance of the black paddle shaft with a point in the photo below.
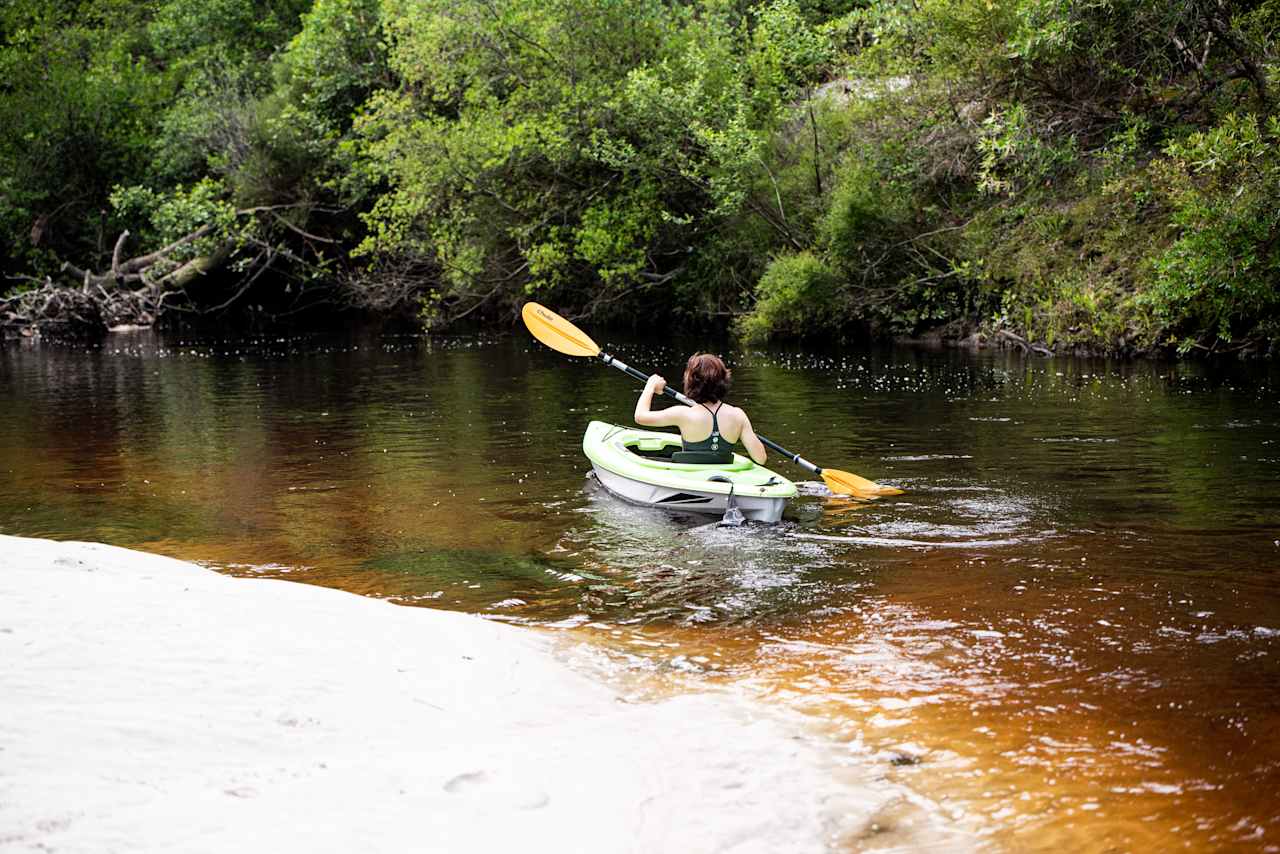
(670, 392)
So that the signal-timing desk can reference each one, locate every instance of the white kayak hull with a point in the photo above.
(686, 501)
(651, 481)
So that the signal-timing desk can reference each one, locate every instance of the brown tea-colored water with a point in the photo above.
(1065, 635)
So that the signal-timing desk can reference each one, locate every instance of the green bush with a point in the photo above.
(796, 296)
(1221, 276)
(336, 61)
(77, 113)
(864, 216)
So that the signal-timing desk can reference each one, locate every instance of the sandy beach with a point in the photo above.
(154, 705)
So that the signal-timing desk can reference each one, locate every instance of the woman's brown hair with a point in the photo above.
(706, 379)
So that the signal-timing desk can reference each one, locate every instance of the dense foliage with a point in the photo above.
(1050, 172)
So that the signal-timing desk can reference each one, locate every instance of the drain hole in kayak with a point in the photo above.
(684, 498)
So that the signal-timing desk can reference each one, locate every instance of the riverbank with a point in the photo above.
(151, 704)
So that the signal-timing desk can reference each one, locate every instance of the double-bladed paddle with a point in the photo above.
(561, 335)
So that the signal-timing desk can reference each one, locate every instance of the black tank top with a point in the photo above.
(713, 444)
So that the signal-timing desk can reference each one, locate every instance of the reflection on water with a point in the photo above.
(1064, 635)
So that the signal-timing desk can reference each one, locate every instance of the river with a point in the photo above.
(1064, 635)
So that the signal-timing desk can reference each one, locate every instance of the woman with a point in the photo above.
(710, 429)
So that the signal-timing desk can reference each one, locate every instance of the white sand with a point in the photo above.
(148, 704)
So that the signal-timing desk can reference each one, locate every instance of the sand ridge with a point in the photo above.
(154, 705)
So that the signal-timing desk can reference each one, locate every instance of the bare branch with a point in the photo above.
(299, 231)
(249, 281)
(135, 264)
(115, 255)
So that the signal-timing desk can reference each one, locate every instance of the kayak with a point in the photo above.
(636, 465)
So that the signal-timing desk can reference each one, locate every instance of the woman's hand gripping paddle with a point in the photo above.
(562, 336)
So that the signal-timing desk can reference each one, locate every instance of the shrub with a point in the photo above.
(1220, 275)
(796, 296)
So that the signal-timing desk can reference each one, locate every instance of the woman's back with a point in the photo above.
(703, 419)
(710, 426)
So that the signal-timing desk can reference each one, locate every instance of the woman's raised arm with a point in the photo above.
(646, 416)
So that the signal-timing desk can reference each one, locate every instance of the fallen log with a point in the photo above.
(137, 290)
(1023, 344)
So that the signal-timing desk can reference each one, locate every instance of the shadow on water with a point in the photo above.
(1064, 634)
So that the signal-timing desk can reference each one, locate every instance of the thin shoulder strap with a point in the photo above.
(715, 422)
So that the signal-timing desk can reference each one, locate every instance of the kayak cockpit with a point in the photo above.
(659, 450)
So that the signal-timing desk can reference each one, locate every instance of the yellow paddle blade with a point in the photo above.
(847, 483)
(556, 332)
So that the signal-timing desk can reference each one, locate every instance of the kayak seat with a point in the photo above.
(653, 449)
(703, 457)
